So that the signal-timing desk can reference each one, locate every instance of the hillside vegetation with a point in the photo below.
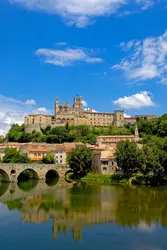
(67, 133)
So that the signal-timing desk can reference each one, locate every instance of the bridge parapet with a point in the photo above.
(11, 172)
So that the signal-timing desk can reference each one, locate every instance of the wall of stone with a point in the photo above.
(11, 172)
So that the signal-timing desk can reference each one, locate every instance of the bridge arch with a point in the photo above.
(4, 175)
(52, 177)
(3, 188)
(27, 174)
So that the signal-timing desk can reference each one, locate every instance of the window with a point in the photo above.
(39, 154)
(104, 169)
(61, 156)
(104, 162)
(60, 161)
(56, 157)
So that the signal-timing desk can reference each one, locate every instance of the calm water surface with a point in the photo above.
(78, 216)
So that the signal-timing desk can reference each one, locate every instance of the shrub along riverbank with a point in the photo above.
(135, 179)
(98, 178)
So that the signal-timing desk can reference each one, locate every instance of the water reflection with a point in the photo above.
(72, 206)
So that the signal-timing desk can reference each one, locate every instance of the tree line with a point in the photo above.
(67, 133)
(149, 158)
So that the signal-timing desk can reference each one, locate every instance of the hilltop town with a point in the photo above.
(76, 115)
(72, 127)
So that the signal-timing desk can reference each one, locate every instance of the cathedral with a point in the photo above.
(75, 115)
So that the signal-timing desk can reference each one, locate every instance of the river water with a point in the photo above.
(63, 216)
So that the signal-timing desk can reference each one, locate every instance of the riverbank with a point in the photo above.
(136, 179)
(99, 178)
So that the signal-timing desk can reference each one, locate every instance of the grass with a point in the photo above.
(99, 178)
(111, 179)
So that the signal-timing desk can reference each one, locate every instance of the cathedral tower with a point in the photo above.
(56, 106)
(119, 118)
(77, 103)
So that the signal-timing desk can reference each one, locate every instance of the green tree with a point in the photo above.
(49, 159)
(127, 155)
(12, 155)
(80, 160)
(154, 163)
(15, 133)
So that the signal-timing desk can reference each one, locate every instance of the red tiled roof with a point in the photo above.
(60, 147)
(116, 136)
(39, 150)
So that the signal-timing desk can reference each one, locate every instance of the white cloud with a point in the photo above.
(67, 57)
(30, 102)
(143, 226)
(127, 116)
(84, 103)
(136, 101)
(13, 111)
(81, 12)
(146, 60)
(147, 3)
(61, 44)
(42, 110)
(89, 109)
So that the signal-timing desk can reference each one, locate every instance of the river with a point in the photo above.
(37, 216)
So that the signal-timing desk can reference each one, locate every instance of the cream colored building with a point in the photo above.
(75, 115)
(60, 154)
(103, 154)
(112, 140)
(36, 154)
(104, 161)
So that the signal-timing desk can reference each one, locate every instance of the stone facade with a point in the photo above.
(112, 140)
(11, 172)
(75, 115)
(103, 154)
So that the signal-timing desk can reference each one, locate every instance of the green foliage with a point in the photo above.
(2, 140)
(152, 158)
(15, 204)
(80, 160)
(108, 179)
(150, 161)
(127, 155)
(27, 185)
(67, 133)
(49, 159)
(12, 155)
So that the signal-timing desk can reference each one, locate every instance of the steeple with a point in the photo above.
(136, 133)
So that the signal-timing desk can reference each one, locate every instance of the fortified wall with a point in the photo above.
(75, 115)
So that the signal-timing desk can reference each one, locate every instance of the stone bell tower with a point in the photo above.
(77, 103)
(56, 106)
(136, 134)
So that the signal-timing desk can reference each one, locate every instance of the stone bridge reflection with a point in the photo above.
(11, 191)
(73, 206)
(69, 205)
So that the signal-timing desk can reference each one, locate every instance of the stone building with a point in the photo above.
(112, 140)
(103, 154)
(75, 115)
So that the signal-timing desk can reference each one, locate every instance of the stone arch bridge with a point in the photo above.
(11, 172)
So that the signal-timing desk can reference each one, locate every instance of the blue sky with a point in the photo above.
(113, 53)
